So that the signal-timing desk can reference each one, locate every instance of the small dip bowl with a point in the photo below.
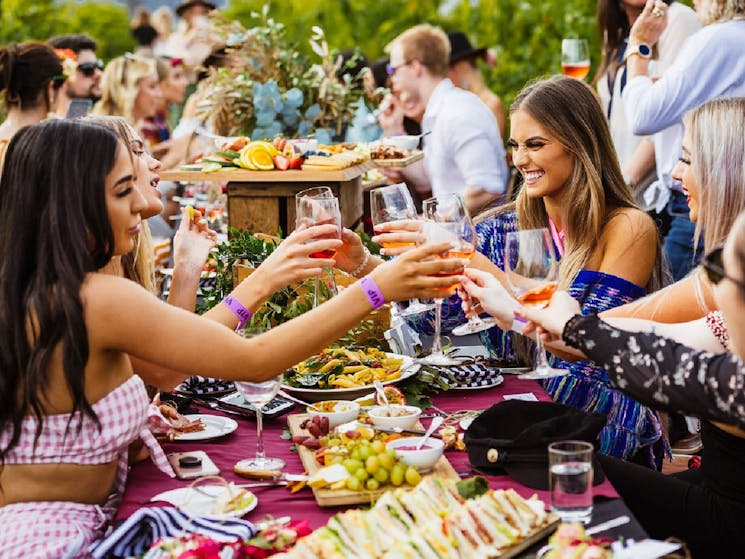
(337, 411)
(403, 417)
(423, 459)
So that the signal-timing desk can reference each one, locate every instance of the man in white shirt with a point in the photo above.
(463, 152)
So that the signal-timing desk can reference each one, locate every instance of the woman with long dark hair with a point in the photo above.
(71, 403)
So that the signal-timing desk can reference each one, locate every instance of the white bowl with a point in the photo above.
(344, 411)
(403, 142)
(304, 145)
(424, 459)
(380, 417)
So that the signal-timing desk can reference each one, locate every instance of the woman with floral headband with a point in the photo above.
(30, 77)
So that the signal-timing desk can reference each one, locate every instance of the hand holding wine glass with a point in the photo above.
(532, 272)
(575, 58)
(483, 289)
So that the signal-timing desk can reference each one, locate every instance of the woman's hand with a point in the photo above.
(291, 261)
(193, 241)
(407, 233)
(491, 296)
(650, 24)
(414, 274)
(351, 255)
(550, 322)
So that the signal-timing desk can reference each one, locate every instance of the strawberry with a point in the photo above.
(296, 162)
(281, 162)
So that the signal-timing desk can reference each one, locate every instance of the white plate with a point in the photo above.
(204, 274)
(215, 426)
(192, 501)
(408, 368)
(496, 381)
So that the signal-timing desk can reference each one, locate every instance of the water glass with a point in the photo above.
(570, 480)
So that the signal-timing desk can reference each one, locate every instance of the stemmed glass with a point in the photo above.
(447, 221)
(319, 206)
(259, 394)
(394, 203)
(532, 271)
(575, 58)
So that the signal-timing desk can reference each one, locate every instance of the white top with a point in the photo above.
(711, 65)
(464, 148)
(681, 24)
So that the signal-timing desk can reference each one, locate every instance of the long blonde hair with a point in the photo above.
(119, 84)
(718, 164)
(716, 11)
(569, 110)
(137, 264)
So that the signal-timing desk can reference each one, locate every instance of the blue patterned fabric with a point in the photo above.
(630, 426)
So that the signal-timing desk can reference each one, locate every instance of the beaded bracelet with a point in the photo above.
(243, 314)
(356, 272)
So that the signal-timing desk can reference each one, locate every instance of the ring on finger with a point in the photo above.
(656, 12)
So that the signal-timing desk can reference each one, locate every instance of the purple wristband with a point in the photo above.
(372, 292)
(243, 314)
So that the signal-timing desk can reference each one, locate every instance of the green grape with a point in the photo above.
(334, 442)
(364, 451)
(337, 459)
(352, 465)
(353, 484)
(372, 484)
(413, 477)
(386, 460)
(382, 475)
(355, 454)
(372, 464)
(397, 474)
(378, 447)
(361, 474)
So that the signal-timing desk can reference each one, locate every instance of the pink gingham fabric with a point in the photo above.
(65, 529)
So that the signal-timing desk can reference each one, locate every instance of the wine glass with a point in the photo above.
(575, 58)
(318, 206)
(394, 203)
(259, 394)
(447, 221)
(532, 271)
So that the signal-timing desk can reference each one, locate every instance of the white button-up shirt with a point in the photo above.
(464, 148)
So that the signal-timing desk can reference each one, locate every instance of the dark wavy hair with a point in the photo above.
(25, 73)
(54, 229)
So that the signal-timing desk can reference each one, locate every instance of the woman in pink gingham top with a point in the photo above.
(71, 404)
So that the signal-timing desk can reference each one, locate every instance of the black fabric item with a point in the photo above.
(181, 8)
(460, 47)
(512, 437)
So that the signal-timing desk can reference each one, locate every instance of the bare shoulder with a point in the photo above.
(629, 246)
(628, 223)
(105, 294)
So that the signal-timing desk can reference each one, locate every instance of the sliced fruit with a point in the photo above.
(394, 395)
(266, 145)
(281, 162)
(212, 168)
(190, 210)
(296, 162)
(235, 145)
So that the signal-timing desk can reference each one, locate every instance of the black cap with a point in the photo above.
(513, 436)
(460, 47)
(181, 8)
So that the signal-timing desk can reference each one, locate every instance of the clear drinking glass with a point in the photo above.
(319, 206)
(570, 480)
(259, 394)
(394, 203)
(447, 220)
(532, 272)
(575, 58)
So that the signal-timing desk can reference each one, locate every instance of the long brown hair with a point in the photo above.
(614, 27)
(569, 110)
(25, 73)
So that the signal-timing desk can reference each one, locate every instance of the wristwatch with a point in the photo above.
(642, 49)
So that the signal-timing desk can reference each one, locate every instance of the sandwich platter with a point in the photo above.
(326, 497)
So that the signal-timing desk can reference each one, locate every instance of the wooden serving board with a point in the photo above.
(533, 538)
(244, 175)
(333, 497)
(415, 156)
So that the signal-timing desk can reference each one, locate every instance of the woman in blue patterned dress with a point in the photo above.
(609, 249)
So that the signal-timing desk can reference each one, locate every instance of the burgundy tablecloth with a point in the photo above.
(145, 480)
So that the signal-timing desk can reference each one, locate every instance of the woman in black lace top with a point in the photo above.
(705, 507)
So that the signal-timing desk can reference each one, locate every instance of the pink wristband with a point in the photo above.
(243, 314)
(372, 292)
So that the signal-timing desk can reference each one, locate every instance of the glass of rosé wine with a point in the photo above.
(532, 272)
(575, 58)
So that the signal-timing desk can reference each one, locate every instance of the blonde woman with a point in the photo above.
(130, 89)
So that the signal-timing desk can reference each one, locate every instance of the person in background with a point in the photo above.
(463, 151)
(636, 154)
(363, 127)
(84, 82)
(710, 65)
(143, 32)
(464, 73)
(162, 20)
(192, 41)
(31, 75)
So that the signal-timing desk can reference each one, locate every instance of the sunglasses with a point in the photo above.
(127, 58)
(89, 68)
(391, 70)
(714, 268)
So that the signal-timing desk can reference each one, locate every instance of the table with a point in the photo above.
(264, 201)
(146, 480)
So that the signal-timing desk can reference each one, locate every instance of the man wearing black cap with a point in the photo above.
(465, 73)
(463, 151)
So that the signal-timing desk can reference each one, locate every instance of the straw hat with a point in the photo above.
(181, 8)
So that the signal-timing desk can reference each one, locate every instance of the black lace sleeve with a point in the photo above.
(662, 373)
